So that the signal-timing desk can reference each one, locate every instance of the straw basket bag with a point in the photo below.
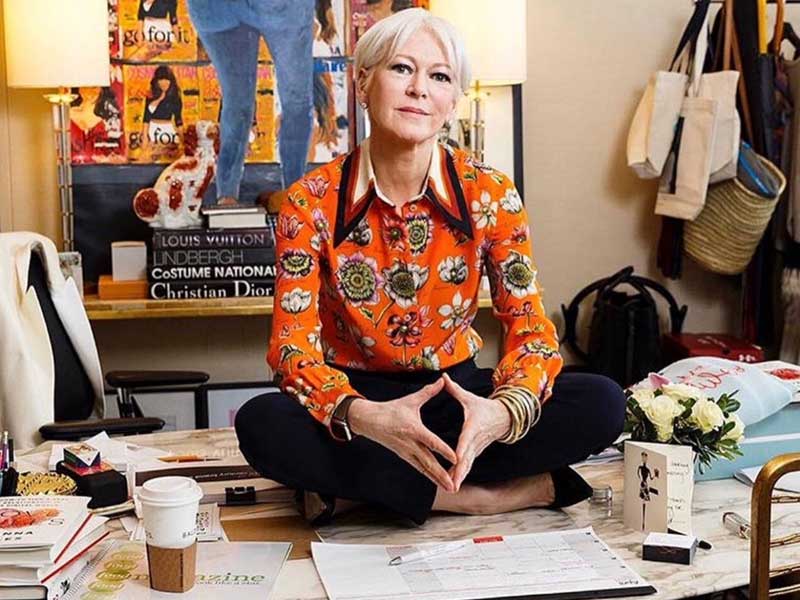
(725, 234)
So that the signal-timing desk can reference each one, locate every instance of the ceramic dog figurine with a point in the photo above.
(175, 199)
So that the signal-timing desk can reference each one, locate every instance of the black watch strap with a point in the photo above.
(340, 426)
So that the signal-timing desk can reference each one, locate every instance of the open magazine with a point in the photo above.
(225, 571)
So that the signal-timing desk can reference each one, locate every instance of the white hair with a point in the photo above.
(383, 40)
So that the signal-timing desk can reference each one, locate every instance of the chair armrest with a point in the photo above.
(140, 379)
(75, 430)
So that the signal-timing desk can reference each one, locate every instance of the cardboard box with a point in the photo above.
(669, 547)
(108, 289)
(777, 434)
(128, 261)
(686, 345)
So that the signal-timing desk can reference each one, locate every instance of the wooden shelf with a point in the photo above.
(110, 310)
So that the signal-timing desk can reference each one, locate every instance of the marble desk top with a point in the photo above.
(725, 566)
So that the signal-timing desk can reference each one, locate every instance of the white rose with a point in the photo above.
(737, 433)
(661, 412)
(707, 415)
(681, 391)
(643, 396)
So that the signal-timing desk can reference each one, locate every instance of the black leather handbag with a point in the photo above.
(624, 335)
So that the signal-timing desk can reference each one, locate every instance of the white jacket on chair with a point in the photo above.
(27, 372)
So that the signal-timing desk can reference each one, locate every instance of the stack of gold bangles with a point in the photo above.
(524, 407)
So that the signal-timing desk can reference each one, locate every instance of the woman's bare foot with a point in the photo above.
(500, 497)
(227, 201)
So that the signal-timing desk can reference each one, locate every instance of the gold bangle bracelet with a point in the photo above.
(528, 404)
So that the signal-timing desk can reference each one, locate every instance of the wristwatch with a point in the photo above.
(340, 428)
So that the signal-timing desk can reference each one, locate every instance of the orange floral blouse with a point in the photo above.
(364, 285)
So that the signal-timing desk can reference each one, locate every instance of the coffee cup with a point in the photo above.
(169, 508)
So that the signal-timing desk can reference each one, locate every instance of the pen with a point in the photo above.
(432, 551)
(187, 458)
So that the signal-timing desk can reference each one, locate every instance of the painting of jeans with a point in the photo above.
(275, 75)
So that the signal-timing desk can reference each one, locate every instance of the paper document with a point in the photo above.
(788, 483)
(564, 564)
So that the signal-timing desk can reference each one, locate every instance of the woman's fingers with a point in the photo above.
(428, 392)
(433, 442)
(428, 465)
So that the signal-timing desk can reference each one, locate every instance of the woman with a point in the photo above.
(95, 126)
(163, 114)
(380, 256)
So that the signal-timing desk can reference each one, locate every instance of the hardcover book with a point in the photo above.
(195, 257)
(236, 288)
(35, 529)
(256, 237)
(205, 272)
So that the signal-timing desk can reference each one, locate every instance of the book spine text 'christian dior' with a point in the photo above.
(237, 288)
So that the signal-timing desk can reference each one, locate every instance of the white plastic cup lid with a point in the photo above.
(170, 491)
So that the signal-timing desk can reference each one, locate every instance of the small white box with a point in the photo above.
(128, 261)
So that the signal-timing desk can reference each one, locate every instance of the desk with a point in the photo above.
(107, 310)
(724, 567)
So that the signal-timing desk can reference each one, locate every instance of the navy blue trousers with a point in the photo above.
(283, 442)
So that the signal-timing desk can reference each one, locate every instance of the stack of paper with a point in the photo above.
(788, 483)
(40, 537)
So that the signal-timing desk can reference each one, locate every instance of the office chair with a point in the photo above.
(74, 395)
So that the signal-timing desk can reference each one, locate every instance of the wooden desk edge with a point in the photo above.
(109, 310)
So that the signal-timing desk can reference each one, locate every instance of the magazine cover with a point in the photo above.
(263, 135)
(160, 100)
(329, 28)
(331, 134)
(96, 123)
(225, 571)
(156, 31)
(210, 102)
(114, 47)
(365, 13)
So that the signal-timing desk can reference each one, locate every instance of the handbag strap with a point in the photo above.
(691, 32)
(737, 64)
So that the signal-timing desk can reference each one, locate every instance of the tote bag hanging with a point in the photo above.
(653, 126)
(684, 182)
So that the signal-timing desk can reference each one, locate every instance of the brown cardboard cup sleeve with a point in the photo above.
(172, 569)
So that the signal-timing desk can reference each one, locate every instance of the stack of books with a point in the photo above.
(44, 542)
(212, 263)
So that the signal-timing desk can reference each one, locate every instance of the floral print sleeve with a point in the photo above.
(530, 349)
(295, 353)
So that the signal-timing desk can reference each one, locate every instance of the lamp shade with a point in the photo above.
(495, 36)
(54, 43)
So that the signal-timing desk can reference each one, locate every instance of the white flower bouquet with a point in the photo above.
(673, 413)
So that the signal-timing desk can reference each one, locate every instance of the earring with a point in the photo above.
(363, 104)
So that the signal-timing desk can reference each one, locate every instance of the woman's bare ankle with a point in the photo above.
(500, 497)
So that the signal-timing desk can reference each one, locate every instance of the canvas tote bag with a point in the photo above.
(682, 191)
(653, 126)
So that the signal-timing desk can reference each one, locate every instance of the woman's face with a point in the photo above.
(414, 93)
(90, 95)
(163, 84)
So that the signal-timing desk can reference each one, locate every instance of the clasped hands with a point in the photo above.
(397, 425)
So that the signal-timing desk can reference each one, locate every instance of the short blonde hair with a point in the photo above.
(384, 39)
